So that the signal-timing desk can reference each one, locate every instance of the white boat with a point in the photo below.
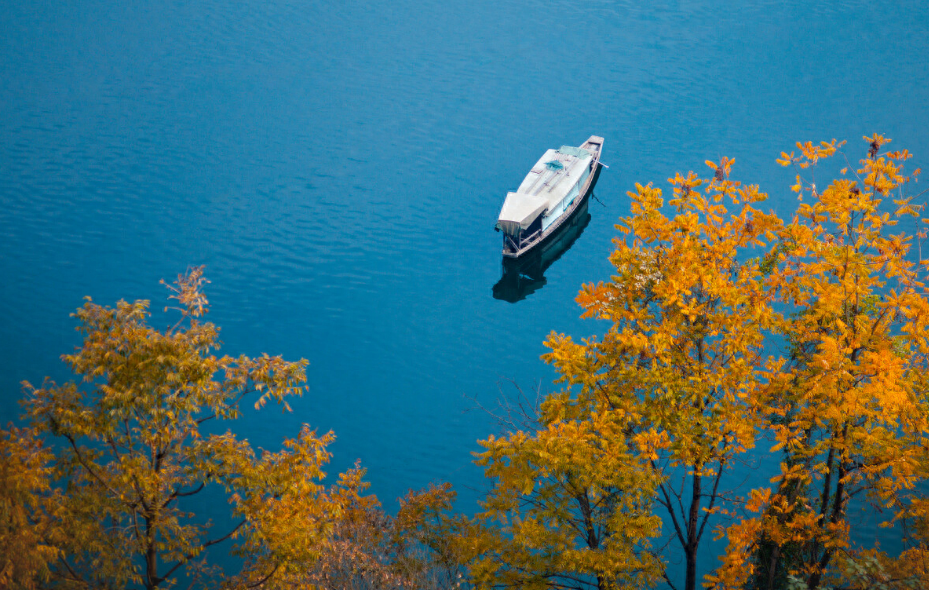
(549, 195)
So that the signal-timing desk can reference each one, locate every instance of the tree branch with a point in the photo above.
(264, 579)
(677, 527)
(190, 556)
(713, 497)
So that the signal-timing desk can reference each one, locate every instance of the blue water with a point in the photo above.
(338, 168)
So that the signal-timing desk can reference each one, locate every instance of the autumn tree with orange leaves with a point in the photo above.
(849, 405)
(729, 326)
(658, 409)
(96, 492)
(105, 471)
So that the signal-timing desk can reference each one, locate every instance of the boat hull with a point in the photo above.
(513, 250)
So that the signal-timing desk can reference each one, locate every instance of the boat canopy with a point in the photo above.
(519, 211)
(546, 185)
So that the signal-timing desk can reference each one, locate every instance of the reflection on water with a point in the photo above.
(525, 275)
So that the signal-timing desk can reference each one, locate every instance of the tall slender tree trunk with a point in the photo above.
(690, 582)
(838, 511)
(151, 556)
(772, 566)
(690, 550)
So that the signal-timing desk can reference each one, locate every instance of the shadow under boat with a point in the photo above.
(525, 275)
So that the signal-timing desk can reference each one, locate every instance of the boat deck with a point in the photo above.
(544, 179)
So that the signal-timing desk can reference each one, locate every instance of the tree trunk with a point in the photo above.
(772, 566)
(151, 556)
(690, 550)
(690, 582)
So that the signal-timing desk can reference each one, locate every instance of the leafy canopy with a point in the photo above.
(725, 324)
(130, 451)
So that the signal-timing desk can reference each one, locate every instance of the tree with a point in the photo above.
(371, 550)
(569, 509)
(689, 374)
(850, 406)
(658, 409)
(26, 539)
(130, 452)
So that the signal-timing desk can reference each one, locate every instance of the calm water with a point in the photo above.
(338, 167)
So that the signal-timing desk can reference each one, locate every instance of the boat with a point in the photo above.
(525, 275)
(550, 195)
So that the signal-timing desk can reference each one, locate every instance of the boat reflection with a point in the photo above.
(525, 275)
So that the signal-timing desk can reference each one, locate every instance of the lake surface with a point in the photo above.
(338, 168)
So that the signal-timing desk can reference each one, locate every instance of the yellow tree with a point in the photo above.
(371, 549)
(569, 508)
(656, 410)
(26, 538)
(130, 452)
(849, 406)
